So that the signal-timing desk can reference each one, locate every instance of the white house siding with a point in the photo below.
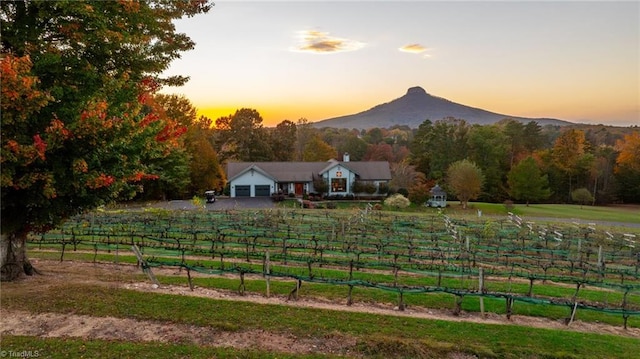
(340, 172)
(252, 179)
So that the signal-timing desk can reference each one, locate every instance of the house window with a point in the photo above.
(338, 185)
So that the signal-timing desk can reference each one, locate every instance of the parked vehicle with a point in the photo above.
(211, 196)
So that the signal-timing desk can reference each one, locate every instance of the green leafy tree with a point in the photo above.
(80, 130)
(513, 131)
(178, 108)
(304, 133)
(283, 140)
(488, 149)
(374, 136)
(205, 171)
(242, 137)
(317, 150)
(436, 146)
(171, 166)
(533, 138)
(353, 145)
(602, 174)
(200, 169)
(465, 180)
(420, 148)
(582, 196)
(527, 183)
(320, 185)
(172, 176)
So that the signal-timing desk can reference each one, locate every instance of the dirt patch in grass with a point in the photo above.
(16, 322)
(51, 325)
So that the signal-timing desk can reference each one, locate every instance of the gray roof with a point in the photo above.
(437, 191)
(304, 171)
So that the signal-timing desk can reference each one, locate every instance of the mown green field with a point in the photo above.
(615, 213)
(619, 214)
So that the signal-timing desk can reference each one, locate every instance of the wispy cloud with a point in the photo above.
(415, 49)
(321, 42)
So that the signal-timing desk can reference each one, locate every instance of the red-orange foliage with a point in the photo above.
(629, 155)
(102, 180)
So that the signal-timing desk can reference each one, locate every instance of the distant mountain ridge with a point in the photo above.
(415, 107)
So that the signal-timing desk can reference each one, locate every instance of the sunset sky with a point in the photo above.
(576, 61)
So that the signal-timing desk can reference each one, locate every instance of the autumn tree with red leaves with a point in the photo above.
(79, 128)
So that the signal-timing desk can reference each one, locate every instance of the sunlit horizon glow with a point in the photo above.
(574, 61)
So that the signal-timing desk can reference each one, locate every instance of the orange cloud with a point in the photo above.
(321, 42)
(413, 48)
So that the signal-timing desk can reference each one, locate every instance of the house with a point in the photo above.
(261, 179)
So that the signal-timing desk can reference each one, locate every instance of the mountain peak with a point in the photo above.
(416, 90)
(414, 108)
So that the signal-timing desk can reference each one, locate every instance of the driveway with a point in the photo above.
(241, 202)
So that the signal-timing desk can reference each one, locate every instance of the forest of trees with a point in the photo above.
(521, 162)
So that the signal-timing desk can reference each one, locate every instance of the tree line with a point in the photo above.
(510, 160)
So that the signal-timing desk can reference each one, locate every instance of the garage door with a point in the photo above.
(263, 190)
(243, 191)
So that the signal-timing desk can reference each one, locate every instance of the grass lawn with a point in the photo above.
(628, 214)
(377, 336)
(621, 214)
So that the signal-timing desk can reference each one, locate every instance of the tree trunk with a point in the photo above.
(13, 256)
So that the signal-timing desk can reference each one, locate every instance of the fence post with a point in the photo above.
(145, 267)
(267, 275)
(481, 290)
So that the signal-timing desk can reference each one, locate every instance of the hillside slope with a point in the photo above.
(415, 107)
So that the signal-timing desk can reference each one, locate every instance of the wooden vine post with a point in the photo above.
(267, 274)
(242, 287)
(145, 267)
(349, 298)
(575, 304)
(481, 290)
(189, 278)
(509, 310)
(625, 315)
(64, 244)
(458, 304)
(531, 279)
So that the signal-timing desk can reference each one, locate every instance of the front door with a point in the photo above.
(299, 189)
